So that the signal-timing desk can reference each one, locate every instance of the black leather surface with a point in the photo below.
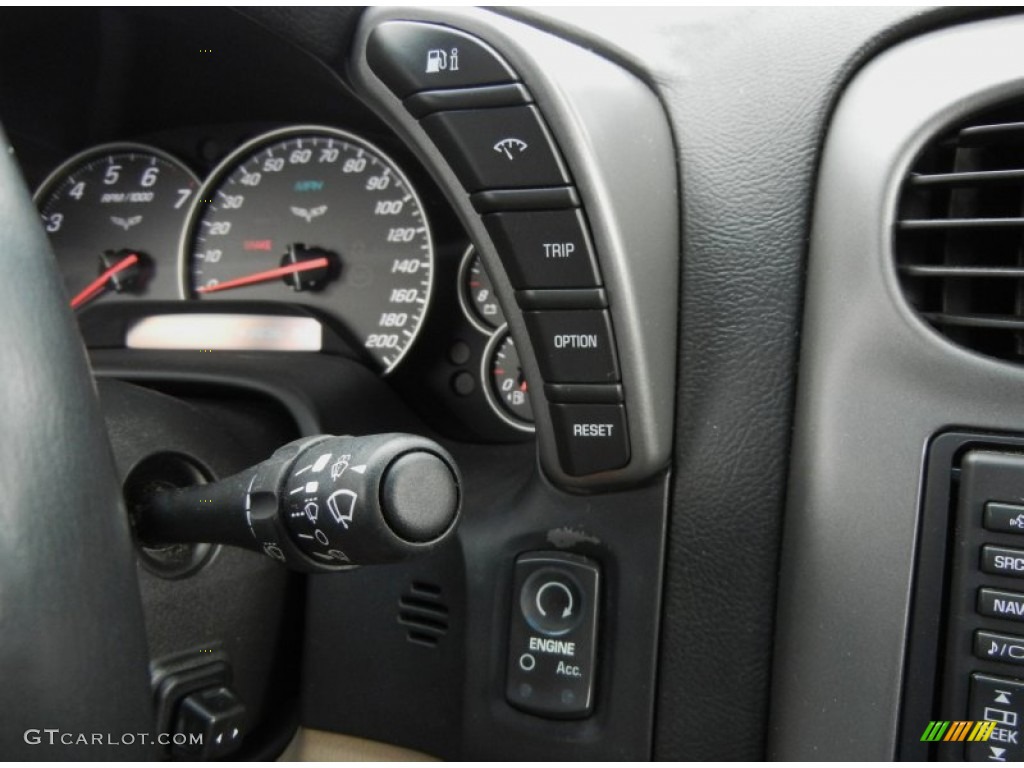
(749, 92)
(324, 31)
(72, 646)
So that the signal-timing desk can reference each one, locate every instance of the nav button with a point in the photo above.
(590, 437)
(1000, 604)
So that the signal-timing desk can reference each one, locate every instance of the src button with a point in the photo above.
(1002, 561)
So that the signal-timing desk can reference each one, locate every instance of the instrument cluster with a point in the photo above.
(297, 233)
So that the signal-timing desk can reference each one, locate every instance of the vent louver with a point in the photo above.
(960, 234)
(423, 613)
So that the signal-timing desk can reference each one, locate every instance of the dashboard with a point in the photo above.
(717, 312)
(144, 190)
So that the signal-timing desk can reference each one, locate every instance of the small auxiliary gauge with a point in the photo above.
(506, 387)
(476, 294)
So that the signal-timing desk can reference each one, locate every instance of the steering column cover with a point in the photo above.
(72, 646)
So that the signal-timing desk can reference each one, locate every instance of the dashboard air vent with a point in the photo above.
(959, 236)
(423, 613)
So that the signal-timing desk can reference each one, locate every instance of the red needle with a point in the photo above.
(93, 289)
(270, 274)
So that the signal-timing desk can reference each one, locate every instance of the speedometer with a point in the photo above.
(322, 218)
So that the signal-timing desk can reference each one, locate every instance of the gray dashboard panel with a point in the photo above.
(876, 384)
(627, 179)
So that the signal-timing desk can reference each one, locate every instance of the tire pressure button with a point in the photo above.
(553, 635)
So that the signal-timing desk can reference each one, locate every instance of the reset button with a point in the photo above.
(590, 437)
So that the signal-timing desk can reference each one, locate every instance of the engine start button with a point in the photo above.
(552, 603)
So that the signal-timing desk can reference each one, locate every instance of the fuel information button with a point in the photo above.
(410, 56)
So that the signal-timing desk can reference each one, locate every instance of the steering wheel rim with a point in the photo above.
(73, 653)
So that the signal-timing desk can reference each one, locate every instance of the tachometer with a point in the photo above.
(114, 214)
(318, 217)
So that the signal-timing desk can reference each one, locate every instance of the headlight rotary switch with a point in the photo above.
(320, 503)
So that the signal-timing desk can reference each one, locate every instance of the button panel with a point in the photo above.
(484, 121)
(553, 635)
(984, 643)
(497, 148)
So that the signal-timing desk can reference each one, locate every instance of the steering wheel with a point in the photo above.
(73, 655)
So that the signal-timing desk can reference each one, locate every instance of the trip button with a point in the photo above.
(1000, 604)
(573, 346)
(590, 437)
(497, 148)
(1002, 561)
(411, 56)
(1000, 701)
(544, 249)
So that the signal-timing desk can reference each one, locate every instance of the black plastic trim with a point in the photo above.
(507, 95)
(562, 298)
(542, 199)
(584, 393)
